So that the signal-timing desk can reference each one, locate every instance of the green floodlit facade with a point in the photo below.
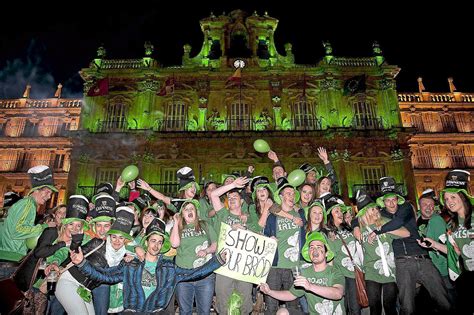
(163, 118)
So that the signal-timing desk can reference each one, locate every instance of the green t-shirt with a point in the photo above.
(373, 265)
(224, 216)
(149, 282)
(434, 229)
(465, 244)
(192, 242)
(288, 235)
(341, 257)
(254, 219)
(327, 278)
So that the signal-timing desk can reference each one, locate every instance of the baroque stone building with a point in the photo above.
(444, 138)
(207, 112)
(36, 132)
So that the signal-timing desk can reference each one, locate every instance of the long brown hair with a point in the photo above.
(258, 208)
(197, 224)
(454, 222)
(318, 183)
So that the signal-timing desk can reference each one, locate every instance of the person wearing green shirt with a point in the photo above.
(459, 240)
(321, 283)
(379, 261)
(19, 225)
(195, 241)
(237, 218)
(341, 239)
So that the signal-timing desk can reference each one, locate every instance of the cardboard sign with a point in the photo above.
(249, 255)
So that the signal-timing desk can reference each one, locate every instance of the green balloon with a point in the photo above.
(296, 178)
(31, 242)
(129, 173)
(261, 146)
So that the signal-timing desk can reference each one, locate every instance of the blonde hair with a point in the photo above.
(365, 219)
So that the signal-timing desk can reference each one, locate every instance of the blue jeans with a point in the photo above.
(202, 289)
(101, 297)
(54, 307)
(350, 298)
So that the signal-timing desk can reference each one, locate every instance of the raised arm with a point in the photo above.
(144, 185)
(104, 275)
(215, 195)
(279, 295)
(175, 238)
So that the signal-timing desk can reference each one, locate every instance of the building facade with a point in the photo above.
(36, 132)
(207, 112)
(444, 139)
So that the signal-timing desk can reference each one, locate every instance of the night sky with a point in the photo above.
(44, 44)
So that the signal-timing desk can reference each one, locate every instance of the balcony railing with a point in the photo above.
(374, 123)
(170, 190)
(120, 125)
(307, 124)
(374, 189)
(171, 125)
(23, 165)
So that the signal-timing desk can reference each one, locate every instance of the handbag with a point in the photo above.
(12, 299)
(361, 291)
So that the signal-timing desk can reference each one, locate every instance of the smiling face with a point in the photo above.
(288, 197)
(101, 228)
(454, 203)
(391, 203)
(278, 172)
(154, 244)
(427, 206)
(59, 215)
(147, 217)
(235, 201)
(337, 215)
(324, 186)
(74, 227)
(189, 213)
(316, 215)
(317, 252)
(117, 241)
(307, 194)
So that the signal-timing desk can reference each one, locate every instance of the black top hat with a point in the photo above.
(141, 202)
(458, 179)
(123, 223)
(428, 193)
(306, 167)
(10, 198)
(185, 176)
(364, 202)
(259, 180)
(41, 176)
(332, 201)
(105, 188)
(76, 209)
(104, 208)
(387, 185)
(156, 226)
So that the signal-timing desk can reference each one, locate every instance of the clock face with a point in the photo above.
(239, 63)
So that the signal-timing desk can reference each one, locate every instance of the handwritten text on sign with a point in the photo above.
(249, 255)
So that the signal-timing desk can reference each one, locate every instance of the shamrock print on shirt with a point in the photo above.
(378, 265)
(201, 260)
(326, 307)
(293, 252)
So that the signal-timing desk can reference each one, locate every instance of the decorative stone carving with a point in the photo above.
(306, 150)
(174, 151)
(328, 84)
(387, 84)
(148, 85)
(240, 150)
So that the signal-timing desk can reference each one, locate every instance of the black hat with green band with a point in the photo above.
(186, 179)
(388, 190)
(364, 202)
(104, 209)
(77, 209)
(457, 181)
(141, 202)
(124, 219)
(282, 183)
(157, 226)
(178, 204)
(257, 183)
(106, 188)
(333, 202)
(41, 176)
(316, 236)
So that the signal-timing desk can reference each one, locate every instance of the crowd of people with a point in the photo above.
(151, 252)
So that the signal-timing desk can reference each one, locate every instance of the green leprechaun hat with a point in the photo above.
(316, 236)
(457, 181)
(388, 189)
(157, 226)
(364, 202)
(124, 219)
